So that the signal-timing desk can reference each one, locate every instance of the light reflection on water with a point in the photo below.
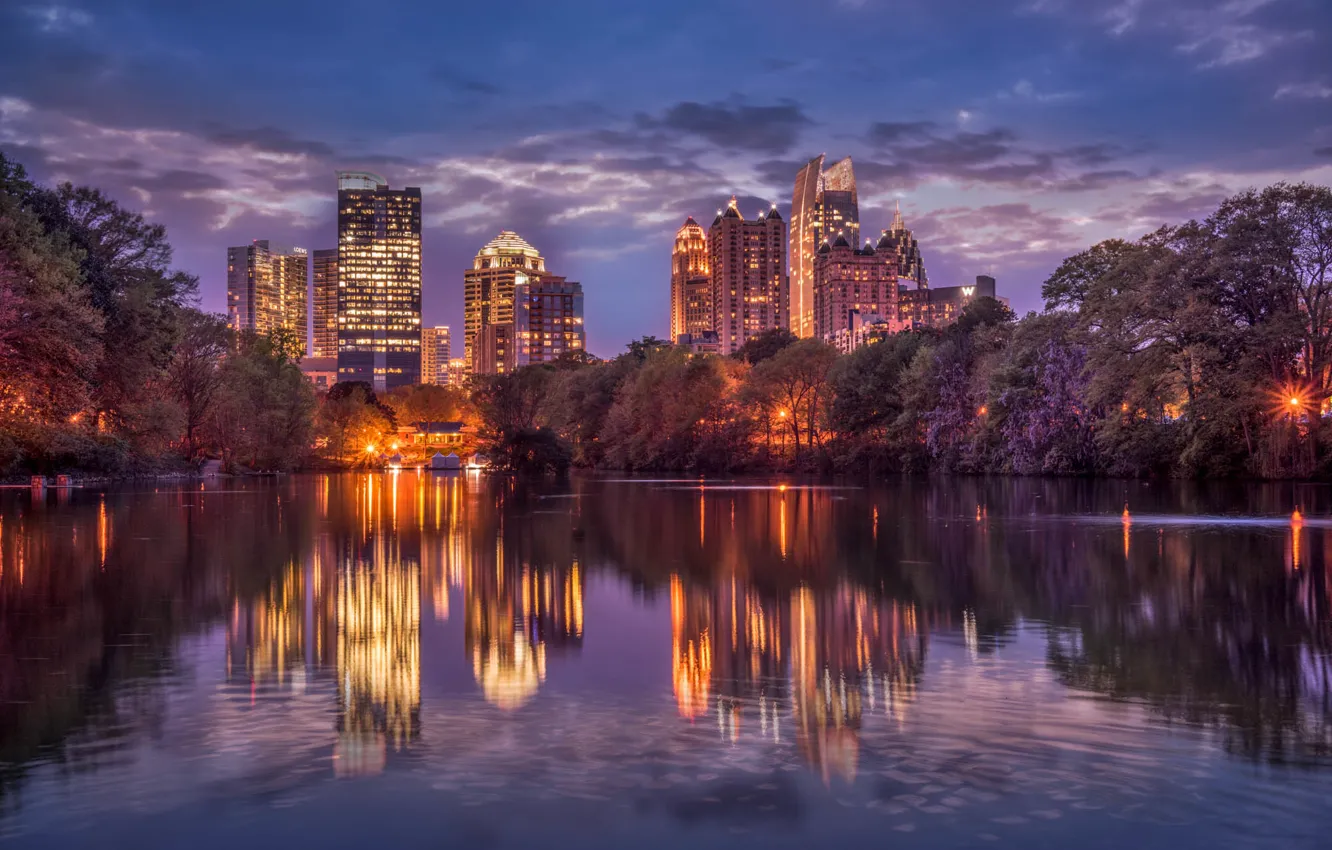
(765, 663)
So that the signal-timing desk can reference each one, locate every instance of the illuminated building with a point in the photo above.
(502, 263)
(706, 342)
(691, 285)
(824, 204)
(267, 289)
(492, 350)
(547, 319)
(379, 281)
(325, 340)
(940, 307)
(902, 242)
(320, 371)
(748, 264)
(455, 372)
(848, 281)
(866, 329)
(435, 354)
(515, 313)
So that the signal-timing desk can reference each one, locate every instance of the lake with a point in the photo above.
(412, 660)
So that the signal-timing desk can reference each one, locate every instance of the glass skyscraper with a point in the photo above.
(379, 281)
(267, 288)
(824, 205)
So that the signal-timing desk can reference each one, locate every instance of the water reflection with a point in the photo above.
(798, 617)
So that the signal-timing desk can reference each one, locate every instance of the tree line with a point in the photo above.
(1199, 350)
(107, 364)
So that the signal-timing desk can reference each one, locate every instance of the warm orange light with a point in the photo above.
(983, 410)
(781, 488)
(781, 413)
(1294, 401)
(394, 447)
(369, 450)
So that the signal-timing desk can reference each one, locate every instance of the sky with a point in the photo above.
(1013, 133)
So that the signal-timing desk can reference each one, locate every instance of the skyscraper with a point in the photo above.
(379, 281)
(850, 281)
(267, 287)
(516, 313)
(325, 341)
(691, 295)
(547, 319)
(435, 353)
(748, 264)
(902, 242)
(824, 204)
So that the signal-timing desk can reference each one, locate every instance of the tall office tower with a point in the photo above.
(901, 241)
(435, 353)
(825, 204)
(748, 263)
(267, 287)
(691, 295)
(488, 286)
(547, 319)
(848, 281)
(325, 341)
(379, 281)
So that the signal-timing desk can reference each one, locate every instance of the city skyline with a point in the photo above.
(1013, 135)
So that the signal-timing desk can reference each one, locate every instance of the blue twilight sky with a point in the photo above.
(1013, 132)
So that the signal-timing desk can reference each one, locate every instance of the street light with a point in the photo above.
(370, 449)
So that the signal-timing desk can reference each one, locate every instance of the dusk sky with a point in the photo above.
(1013, 132)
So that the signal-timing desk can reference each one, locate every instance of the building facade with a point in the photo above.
(900, 241)
(747, 260)
(865, 330)
(379, 281)
(488, 285)
(436, 352)
(851, 282)
(492, 350)
(324, 342)
(940, 307)
(824, 205)
(547, 319)
(267, 289)
(691, 284)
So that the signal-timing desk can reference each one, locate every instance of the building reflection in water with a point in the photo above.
(523, 600)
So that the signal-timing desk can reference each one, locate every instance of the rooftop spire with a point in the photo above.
(898, 224)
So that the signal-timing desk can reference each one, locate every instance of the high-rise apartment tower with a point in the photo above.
(748, 264)
(267, 288)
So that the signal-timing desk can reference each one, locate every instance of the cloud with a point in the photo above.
(1323, 152)
(1216, 34)
(734, 124)
(1304, 91)
(270, 140)
(450, 76)
(54, 18)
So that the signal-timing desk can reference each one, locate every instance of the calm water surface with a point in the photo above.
(415, 661)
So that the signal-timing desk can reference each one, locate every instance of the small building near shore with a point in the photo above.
(437, 434)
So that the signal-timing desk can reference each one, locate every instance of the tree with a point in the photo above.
(195, 374)
(48, 329)
(794, 381)
(125, 269)
(426, 403)
(350, 418)
(765, 345)
(263, 413)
